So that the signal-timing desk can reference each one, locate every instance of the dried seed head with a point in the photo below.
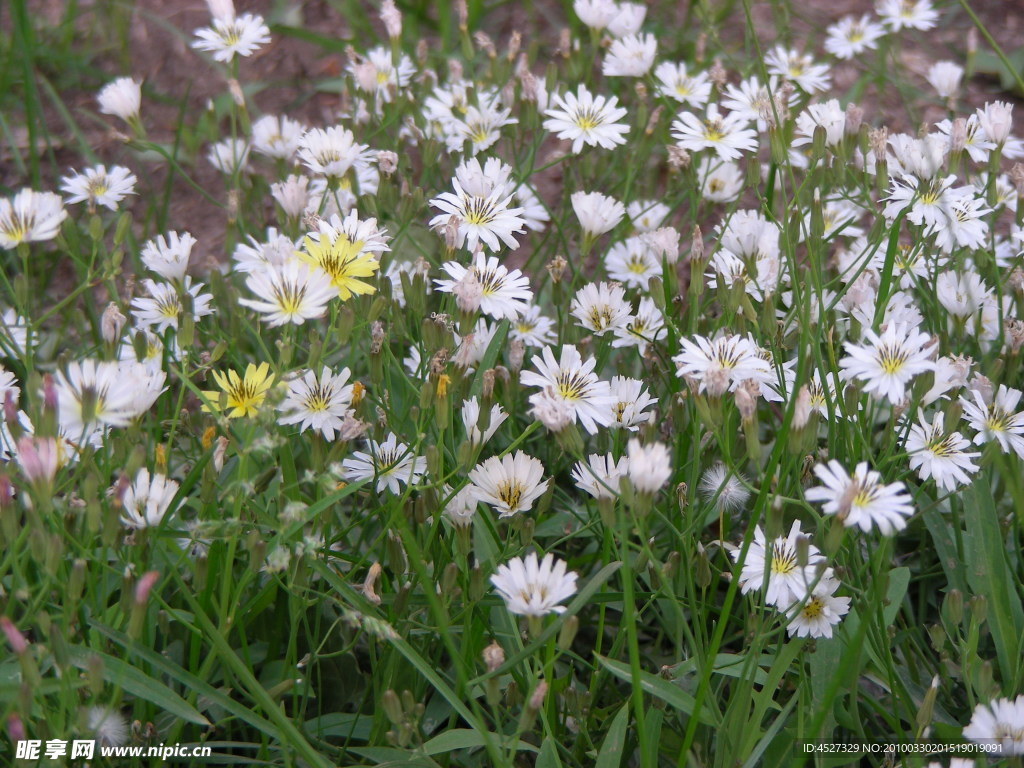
(678, 158)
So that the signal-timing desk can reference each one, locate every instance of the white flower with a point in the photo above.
(509, 484)
(851, 36)
(503, 294)
(630, 400)
(461, 507)
(911, 14)
(888, 363)
(31, 217)
(861, 499)
(586, 119)
(945, 78)
(961, 294)
(318, 402)
(647, 215)
(92, 395)
(780, 563)
(146, 500)
(600, 475)
(277, 137)
(729, 135)
(292, 195)
(532, 328)
(227, 37)
(631, 56)
(392, 463)
(169, 256)
(938, 454)
(530, 588)
(798, 68)
(121, 98)
(649, 466)
(229, 156)
(647, 326)
(163, 307)
(996, 420)
(377, 74)
(97, 186)
(481, 219)
(676, 83)
(999, 723)
(828, 115)
(632, 263)
(816, 613)
(471, 421)
(720, 181)
(573, 382)
(331, 152)
(600, 307)
(596, 14)
(719, 365)
(292, 293)
(255, 256)
(597, 213)
(628, 20)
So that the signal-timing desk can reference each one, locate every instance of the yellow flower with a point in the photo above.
(344, 260)
(244, 396)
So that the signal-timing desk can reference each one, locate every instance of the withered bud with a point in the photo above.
(485, 43)
(746, 399)
(556, 268)
(236, 92)
(537, 697)
(972, 41)
(387, 161)
(854, 117)
(468, 291)
(654, 119)
(564, 48)
(1013, 330)
(370, 582)
(451, 233)
(351, 428)
(878, 139)
(700, 50)
(219, 453)
(802, 409)
(462, 11)
(454, 70)
(1016, 280)
(516, 353)
(515, 42)
(438, 361)
(144, 585)
(487, 391)
(392, 19)
(494, 656)
(527, 85)
(716, 382)
(641, 90)
(112, 323)
(678, 158)
(958, 135)
(718, 75)
(422, 52)
(984, 386)
(376, 337)
(1017, 177)
(697, 246)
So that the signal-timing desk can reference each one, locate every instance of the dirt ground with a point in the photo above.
(159, 33)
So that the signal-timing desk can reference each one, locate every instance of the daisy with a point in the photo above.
(720, 181)
(318, 402)
(377, 74)
(728, 135)
(277, 137)
(30, 217)
(961, 295)
(13, 333)
(787, 577)
(481, 219)
(600, 307)
(573, 382)
(1000, 722)
(632, 263)
(276, 251)
(676, 83)
(241, 396)
(346, 249)
(229, 36)
(229, 156)
(647, 326)
(121, 98)
(147, 500)
(596, 14)
(631, 56)
(510, 484)
(851, 37)
(828, 115)
(293, 293)
(816, 613)
(945, 77)
(996, 120)
(647, 215)
(92, 395)
(719, 365)
(757, 102)
(503, 294)
(630, 400)
(162, 308)
(97, 186)
(392, 463)
(996, 420)
(461, 507)
(532, 328)
(887, 363)
(480, 127)
(798, 68)
(627, 20)
(168, 255)
(861, 499)
(910, 14)
(600, 475)
(586, 119)
(935, 453)
(648, 467)
(597, 213)
(292, 195)
(475, 434)
(331, 152)
(534, 589)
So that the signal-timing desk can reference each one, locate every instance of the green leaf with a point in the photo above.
(139, 684)
(610, 755)
(466, 738)
(989, 574)
(548, 757)
(899, 580)
(659, 688)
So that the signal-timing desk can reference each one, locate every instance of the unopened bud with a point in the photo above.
(112, 323)
(387, 161)
(494, 656)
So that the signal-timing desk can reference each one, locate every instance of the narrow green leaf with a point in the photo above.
(659, 688)
(466, 738)
(548, 757)
(610, 755)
